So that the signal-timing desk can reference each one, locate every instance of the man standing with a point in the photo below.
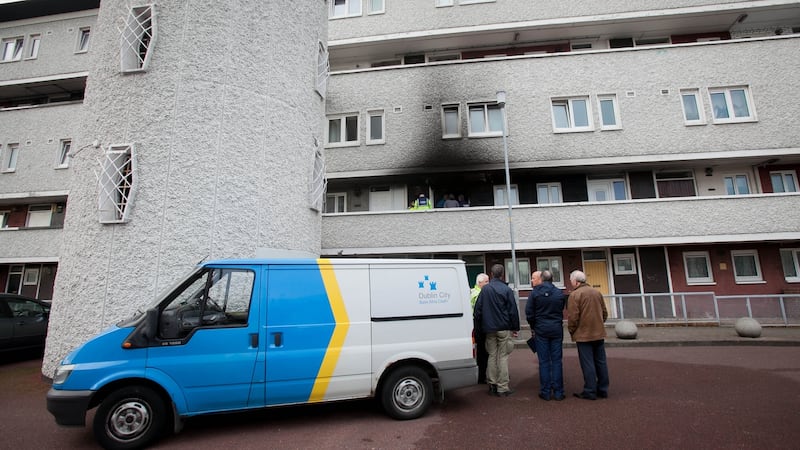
(586, 314)
(545, 314)
(481, 354)
(497, 316)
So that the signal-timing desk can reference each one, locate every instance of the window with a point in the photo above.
(137, 40)
(336, 202)
(33, 46)
(571, 114)
(469, 2)
(698, 268)
(323, 70)
(31, 277)
(737, 184)
(783, 181)
(548, 193)
(553, 264)
(14, 283)
(675, 184)
(4, 218)
(12, 49)
(607, 190)
(692, 107)
(39, 216)
(117, 184)
(790, 258)
(319, 183)
(440, 3)
(523, 273)
(746, 268)
(62, 161)
(345, 8)
(500, 195)
(83, 40)
(609, 112)
(375, 127)
(451, 121)
(731, 105)
(343, 130)
(377, 7)
(10, 158)
(625, 264)
(485, 119)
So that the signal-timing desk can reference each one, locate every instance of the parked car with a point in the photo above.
(23, 322)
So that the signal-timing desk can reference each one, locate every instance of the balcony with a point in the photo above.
(566, 225)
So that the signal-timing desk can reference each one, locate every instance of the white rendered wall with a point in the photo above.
(224, 122)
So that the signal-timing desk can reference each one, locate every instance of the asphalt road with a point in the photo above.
(660, 397)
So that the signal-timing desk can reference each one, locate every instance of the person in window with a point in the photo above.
(422, 203)
(451, 202)
(545, 314)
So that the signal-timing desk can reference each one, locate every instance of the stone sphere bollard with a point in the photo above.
(747, 327)
(626, 329)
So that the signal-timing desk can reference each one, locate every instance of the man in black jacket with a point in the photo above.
(545, 314)
(497, 316)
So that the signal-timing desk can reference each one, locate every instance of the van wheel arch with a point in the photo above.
(171, 413)
(407, 389)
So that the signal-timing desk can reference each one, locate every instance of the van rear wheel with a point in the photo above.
(130, 417)
(407, 393)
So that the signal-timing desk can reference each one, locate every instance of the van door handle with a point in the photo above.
(254, 340)
(277, 339)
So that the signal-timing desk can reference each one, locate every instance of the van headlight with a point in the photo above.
(62, 373)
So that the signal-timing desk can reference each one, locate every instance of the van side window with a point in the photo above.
(215, 298)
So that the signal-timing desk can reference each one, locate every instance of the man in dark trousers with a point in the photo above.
(497, 316)
(545, 314)
(586, 315)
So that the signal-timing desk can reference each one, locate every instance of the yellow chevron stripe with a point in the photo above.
(339, 332)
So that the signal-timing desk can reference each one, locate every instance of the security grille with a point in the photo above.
(138, 38)
(117, 182)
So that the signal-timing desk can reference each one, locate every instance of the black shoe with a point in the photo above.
(558, 398)
(602, 394)
(544, 397)
(504, 393)
(584, 396)
(492, 389)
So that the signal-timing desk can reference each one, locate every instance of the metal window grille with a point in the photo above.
(138, 38)
(117, 183)
(319, 183)
(323, 69)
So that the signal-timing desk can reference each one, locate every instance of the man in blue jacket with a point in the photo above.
(497, 316)
(545, 314)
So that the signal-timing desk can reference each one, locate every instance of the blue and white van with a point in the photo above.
(246, 334)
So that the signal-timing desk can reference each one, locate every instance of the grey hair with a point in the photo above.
(481, 277)
(547, 275)
(578, 276)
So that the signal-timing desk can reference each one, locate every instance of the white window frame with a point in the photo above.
(746, 279)
(4, 215)
(372, 113)
(349, 10)
(62, 158)
(137, 39)
(549, 187)
(31, 276)
(343, 142)
(449, 107)
(698, 104)
(783, 174)
(568, 103)
(39, 216)
(488, 111)
(698, 280)
(734, 177)
(117, 182)
(546, 263)
(323, 70)
(33, 44)
(443, 3)
(84, 40)
(523, 272)
(617, 125)
(732, 118)
(339, 202)
(794, 259)
(12, 48)
(380, 10)
(10, 158)
(500, 195)
(625, 264)
(609, 184)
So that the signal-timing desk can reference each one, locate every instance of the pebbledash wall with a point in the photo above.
(225, 126)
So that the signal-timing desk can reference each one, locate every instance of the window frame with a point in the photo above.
(732, 118)
(340, 199)
(558, 275)
(82, 45)
(137, 37)
(524, 279)
(549, 187)
(486, 116)
(617, 117)
(376, 113)
(4, 215)
(342, 118)
(696, 281)
(698, 103)
(747, 279)
(445, 108)
(62, 157)
(32, 45)
(794, 255)
(502, 188)
(117, 184)
(608, 183)
(332, 11)
(568, 104)
(783, 174)
(622, 257)
(734, 177)
(370, 11)
(443, 3)
(17, 45)
(10, 158)
(37, 212)
(30, 276)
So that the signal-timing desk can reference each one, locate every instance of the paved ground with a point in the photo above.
(695, 387)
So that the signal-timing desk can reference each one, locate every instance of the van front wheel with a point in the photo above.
(407, 393)
(131, 417)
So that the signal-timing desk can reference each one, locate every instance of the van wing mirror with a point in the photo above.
(150, 324)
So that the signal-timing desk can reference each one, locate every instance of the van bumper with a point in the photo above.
(456, 374)
(69, 407)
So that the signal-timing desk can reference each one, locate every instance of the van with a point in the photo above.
(245, 334)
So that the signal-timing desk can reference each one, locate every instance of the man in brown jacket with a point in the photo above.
(586, 314)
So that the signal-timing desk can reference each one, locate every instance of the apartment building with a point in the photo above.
(652, 144)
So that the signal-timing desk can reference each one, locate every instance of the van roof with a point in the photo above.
(338, 261)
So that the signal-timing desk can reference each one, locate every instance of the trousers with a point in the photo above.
(592, 356)
(499, 345)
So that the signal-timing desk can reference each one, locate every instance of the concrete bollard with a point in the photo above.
(748, 327)
(626, 329)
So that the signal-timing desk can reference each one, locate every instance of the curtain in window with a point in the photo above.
(676, 188)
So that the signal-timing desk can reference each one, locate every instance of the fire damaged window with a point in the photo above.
(117, 184)
(138, 38)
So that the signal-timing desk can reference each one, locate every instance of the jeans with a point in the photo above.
(592, 356)
(499, 346)
(551, 368)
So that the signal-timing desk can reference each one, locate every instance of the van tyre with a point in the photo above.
(407, 393)
(131, 417)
